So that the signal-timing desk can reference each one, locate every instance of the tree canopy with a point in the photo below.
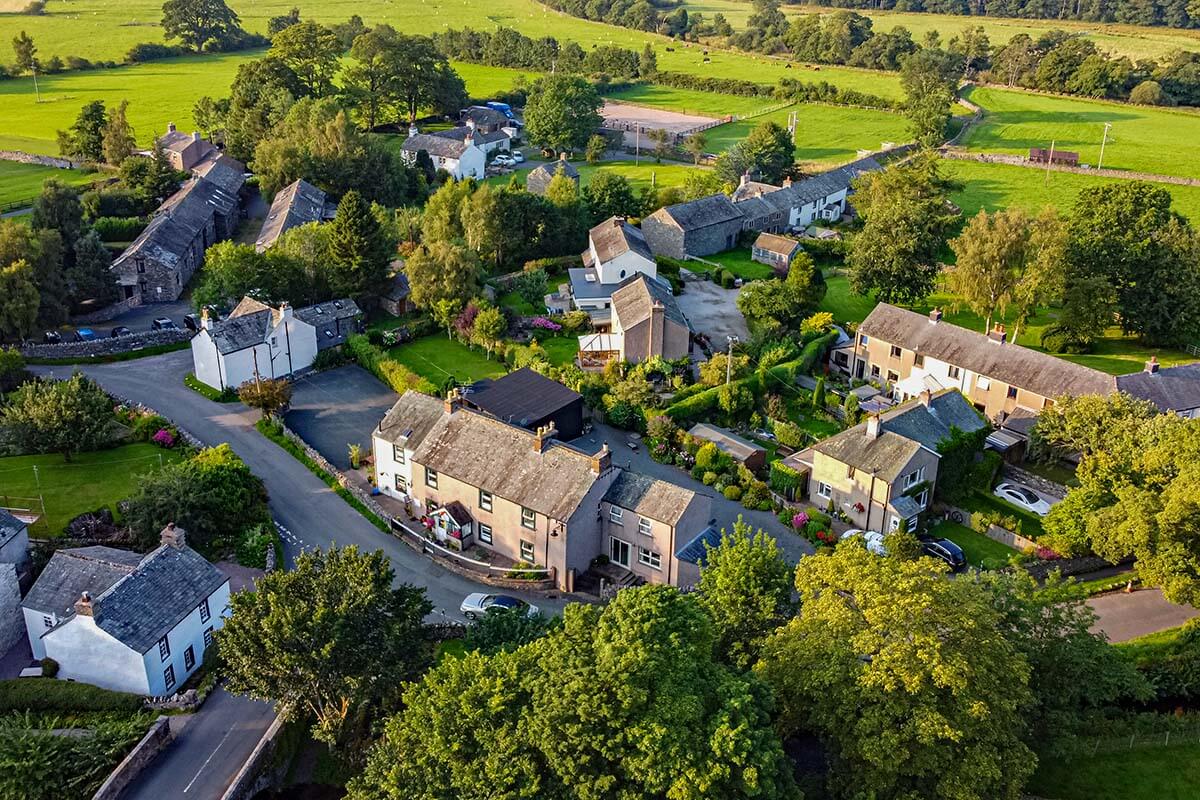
(52, 416)
(562, 112)
(200, 24)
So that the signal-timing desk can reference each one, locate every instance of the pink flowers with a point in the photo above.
(164, 438)
(1046, 554)
(799, 520)
(546, 324)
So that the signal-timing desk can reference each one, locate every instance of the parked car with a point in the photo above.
(83, 335)
(874, 540)
(477, 604)
(163, 324)
(192, 322)
(503, 161)
(120, 330)
(763, 433)
(946, 551)
(1021, 497)
(518, 156)
(51, 337)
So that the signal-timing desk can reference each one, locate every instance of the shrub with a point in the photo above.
(153, 51)
(330, 358)
(790, 435)
(574, 322)
(252, 546)
(727, 279)
(49, 667)
(119, 229)
(624, 415)
(733, 492)
(708, 478)
(165, 438)
(399, 377)
(48, 694)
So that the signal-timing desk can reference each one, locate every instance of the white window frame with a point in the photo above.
(824, 490)
(486, 500)
(527, 551)
(922, 498)
(645, 526)
(953, 372)
(189, 655)
(401, 484)
(164, 649)
(169, 677)
(205, 611)
(208, 637)
(431, 478)
(485, 533)
(616, 516)
(528, 518)
(914, 477)
(398, 454)
(983, 383)
(48, 620)
(649, 558)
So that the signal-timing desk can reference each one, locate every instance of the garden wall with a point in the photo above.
(1022, 161)
(253, 777)
(1035, 482)
(41, 161)
(106, 346)
(157, 738)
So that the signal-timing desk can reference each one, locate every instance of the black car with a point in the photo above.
(192, 322)
(946, 551)
(52, 337)
(162, 324)
(120, 330)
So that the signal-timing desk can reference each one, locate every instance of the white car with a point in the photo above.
(1021, 497)
(874, 540)
(517, 156)
(503, 161)
(478, 604)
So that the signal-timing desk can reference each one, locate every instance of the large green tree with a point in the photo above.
(263, 91)
(51, 416)
(90, 277)
(43, 251)
(330, 639)
(311, 51)
(776, 306)
(119, 141)
(394, 76)
(200, 24)
(906, 678)
(25, 53)
(767, 154)
(610, 195)
(84, 140)
(361, 249)
(18, 300)
(928, 78)
(562, 112)
(443, 271)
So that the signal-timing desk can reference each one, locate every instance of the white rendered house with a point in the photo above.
(459, 151)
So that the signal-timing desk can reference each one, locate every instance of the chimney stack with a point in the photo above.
(413, 130)
(195, 136)
(543, 436)
(658, 331)
(173, 535)
(602, 461)
(453, 401)
(204, 321)
(170, 127)
(470, 123)
(873, 427)
(745, 178)
(997, 334)
(926, 397)
(935, 316)
(1152, 366)
(285, 310)
(787, 182)
(562, 156)
(83, 606)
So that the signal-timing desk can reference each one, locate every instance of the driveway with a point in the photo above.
(332, 410)
(1128, 616)
(713, 311)
(725, 512)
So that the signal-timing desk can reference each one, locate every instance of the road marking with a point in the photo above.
(210, 758)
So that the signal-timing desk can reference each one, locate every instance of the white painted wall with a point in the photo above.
(289, 348)
(627, 264)
(188, 633)
(387, 468)
(206, 360)
(470, 164)
(87, 654)
(35, 626)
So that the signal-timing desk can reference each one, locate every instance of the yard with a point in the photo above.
(1159, 773)
(90, 481)
(437, 358)
(20, 184)
(980, 551)
(740, 263)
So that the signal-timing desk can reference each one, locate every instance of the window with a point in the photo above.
(169, 677)
(164, 649)
(189, 658)
(48, 621)
(644, 527)
(824, 490)
(615, 515)
(398, 454)
(922, 498)
(485, 501)
(953, 372)
(619, 552)
(649, 558)
(914, 477)
(208, 637)
(401, 484)
(983, 383)
(430, 478)
(527, 551)
(893, 376)
(896, 351)
(862, 340)
(849, 472)
(874, 371)
(918, 360)
(528, 518)
(1012, 393)
(485, 533)
(274, 341)
(204, 611)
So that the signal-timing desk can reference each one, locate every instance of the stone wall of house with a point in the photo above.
(106, 346)
(12, 621)
(157, 738)
(713, 238)
(664, 237)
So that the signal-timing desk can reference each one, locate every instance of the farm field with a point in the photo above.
(639, 175)
(996, 186)
(825, 134)
(1114, 354)
(22, 182)
(690, 101)
(1142, 139)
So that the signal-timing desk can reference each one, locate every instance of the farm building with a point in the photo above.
(775, 251)
(1040, 155)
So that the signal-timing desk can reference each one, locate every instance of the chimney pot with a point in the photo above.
(173, 535)
(997, 334)
(787, 183)
(926, 397)
(543, 436)
(873, 427)
(413, 130)
(83, 606)
(453, 401)
(745, 178)
(170, 127)
(195, 136)
(1152, 365)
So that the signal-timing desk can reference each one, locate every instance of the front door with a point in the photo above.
(619, 553)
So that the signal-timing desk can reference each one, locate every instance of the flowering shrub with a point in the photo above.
(546, 324)
(827, 537)
(799, 520)
(1046, 554)
(164, 438)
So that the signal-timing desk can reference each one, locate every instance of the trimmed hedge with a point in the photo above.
(119, 229)
(376, 361)
(48, 694)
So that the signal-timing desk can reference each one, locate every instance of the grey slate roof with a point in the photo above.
(324, 313)
(821, 186)
(73, 571)
(1171, 389)
(539, 177)
(754, 209)
(251, 321)
(484, 116)
(296, 204)
(650, 497)
(614, 237)
(226, 172)
(178, 221)
(695, 551)
(522, 397)
(449, 143)
(726, 441)
(10, 526)
(460, 134)
(634, 297)
(1015, 365)
(146, 604)
(398, 289)
(712, 210)
(776, 244)
(410, 419)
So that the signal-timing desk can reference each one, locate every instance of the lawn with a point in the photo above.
(1030, 524)
(560, 350)
(90, 481)
(517, 303)
(20, 184)
(740, 264)
(996, 186)
(825, 134)
(691, 101)
(980, 551)
(437, 358)
(1115, 354)
(640, 175)
(1146, 139)
(1160, 773)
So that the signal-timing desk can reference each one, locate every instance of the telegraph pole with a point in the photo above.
(1103, 142)
(729, 359)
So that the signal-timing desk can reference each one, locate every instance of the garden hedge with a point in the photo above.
(376, 361)
(48, 694)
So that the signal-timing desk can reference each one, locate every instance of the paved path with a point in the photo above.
(207, 753)
(1127, 616)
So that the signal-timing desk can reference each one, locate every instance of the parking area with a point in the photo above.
(138, 319)
(333, 409)
(713, 311)
(631, 118)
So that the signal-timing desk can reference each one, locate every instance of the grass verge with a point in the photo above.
(211, 392)
(1162, 773)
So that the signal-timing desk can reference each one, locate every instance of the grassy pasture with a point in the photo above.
(639, 175)
(21, 182)
(1157, 773)
(1143, 139)
(826, 134)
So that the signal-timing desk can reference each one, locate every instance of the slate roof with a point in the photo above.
(226, 172)
(776, 244)
(695, 550)
(460, 134)
(296, 204)
(175, 226)
(410, 419)
(586, 289)
(146, 604)
(755, 209)
(500, 458)
(726, 441)
(749, 189)
(649, 497)
(635, 296)
(250, 321)
(323, 313)
(903, 432)
(539, 177)
(615, 237)
(1017, 366)
(398, 289)
(821, 186)
(712, 210)
(484, 116)
(522, 397)
(71, 572)
(10, 526)
(1171, 389)
(435, 145)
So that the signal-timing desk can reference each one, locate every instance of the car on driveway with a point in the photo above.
(84, 335)
(120, 330)
(874, 540)
(945, 551)
(478, 604)
(1021, 497)
(163, 324)
(517, 156)
(52, 337)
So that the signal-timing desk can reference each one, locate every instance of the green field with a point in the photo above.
(23, 182)
(1163, 773)
(691, 101)
(825, 134)
(996, 186)
(669, 173)
(1145, 139)
(435, 357)
(90, 481)
(1114, 354)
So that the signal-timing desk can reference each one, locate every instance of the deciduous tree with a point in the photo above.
(51, 416)
(928, 79)
(442, 271)
(119, 141)
(84, 140)
(311, 51)
(18, 300)
(90, 277)
(200, 24)
(268, 395)
(562, 112)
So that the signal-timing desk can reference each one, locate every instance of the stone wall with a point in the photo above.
(1022, 161)
(253, 777)
(1035, 482)
(106, 346)
(12, 621)
(157, 738)
(41, 161)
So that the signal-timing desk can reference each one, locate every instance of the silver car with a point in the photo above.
(1021, 497)
(477, 604)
